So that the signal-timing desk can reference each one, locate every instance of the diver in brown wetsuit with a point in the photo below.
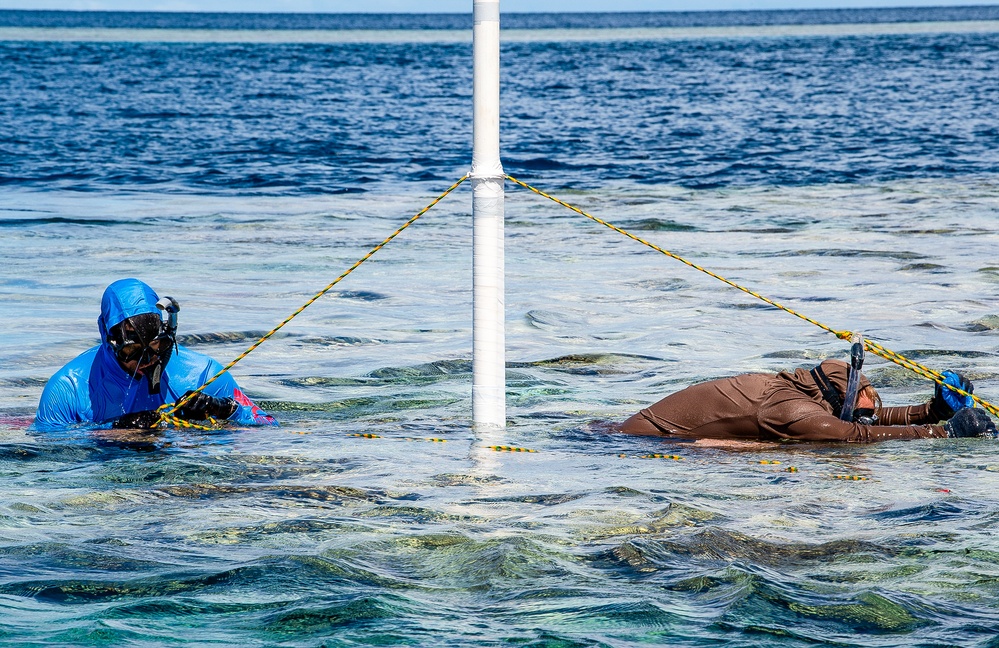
(807, 405)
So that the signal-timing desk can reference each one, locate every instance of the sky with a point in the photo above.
(464, 6)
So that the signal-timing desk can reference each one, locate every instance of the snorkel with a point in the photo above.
(169, 308)
(853, 381)
(168, 311)
(844, 406)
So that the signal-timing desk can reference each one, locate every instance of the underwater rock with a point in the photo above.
(223, 337)
(715, 544)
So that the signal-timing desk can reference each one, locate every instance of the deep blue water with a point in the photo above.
(330, 118)
(848, 173)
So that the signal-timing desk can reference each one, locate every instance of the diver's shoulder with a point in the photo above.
(77, 367)
(70, 383)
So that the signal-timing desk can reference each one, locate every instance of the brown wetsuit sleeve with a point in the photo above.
(827, 427)
(789, 414)
(912, 415)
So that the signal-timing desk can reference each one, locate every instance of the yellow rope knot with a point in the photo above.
(168, 418)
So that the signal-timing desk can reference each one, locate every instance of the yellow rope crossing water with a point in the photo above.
(871, 346)
(167, 411)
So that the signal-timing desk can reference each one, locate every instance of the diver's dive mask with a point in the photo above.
(147, 340)
(865, 416)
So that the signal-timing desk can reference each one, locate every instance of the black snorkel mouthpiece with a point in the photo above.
(853, 381)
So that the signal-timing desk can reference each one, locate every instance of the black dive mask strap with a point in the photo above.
(828, 391)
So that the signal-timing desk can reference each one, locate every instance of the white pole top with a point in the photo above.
(485, 90)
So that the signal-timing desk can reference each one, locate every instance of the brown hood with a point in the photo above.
(836, 370)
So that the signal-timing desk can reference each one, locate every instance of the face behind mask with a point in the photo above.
(142, 345)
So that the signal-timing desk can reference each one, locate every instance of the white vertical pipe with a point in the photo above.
(488, 326)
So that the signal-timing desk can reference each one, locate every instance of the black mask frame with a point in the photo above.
(137, 349)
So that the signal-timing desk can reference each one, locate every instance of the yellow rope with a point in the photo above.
(167, 416)
(871, 346)
(179, 422)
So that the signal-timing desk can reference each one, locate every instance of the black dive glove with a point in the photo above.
(201, 406)
(947, 402)
(137, 421)
(970, 423)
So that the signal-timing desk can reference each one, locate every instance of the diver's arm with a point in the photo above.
(791, 415)
(911, 415)
(236, 407)
(826, 427)
(246, 412)
(932, 411)
(941, 407)
(190, 371)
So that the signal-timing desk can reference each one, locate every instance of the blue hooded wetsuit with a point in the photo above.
(93, 389)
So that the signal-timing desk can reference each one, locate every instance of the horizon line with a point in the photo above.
(465, 13)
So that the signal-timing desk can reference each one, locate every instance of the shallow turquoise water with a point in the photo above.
(308, 536)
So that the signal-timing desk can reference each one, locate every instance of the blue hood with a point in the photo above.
(123, 299)
(94, 389)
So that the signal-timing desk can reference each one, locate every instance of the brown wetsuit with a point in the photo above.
(788, 406)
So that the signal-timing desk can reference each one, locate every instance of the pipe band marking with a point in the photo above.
(485, 12)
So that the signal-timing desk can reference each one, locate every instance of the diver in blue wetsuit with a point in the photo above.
(137, 367)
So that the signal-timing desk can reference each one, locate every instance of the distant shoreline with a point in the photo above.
(302, 36)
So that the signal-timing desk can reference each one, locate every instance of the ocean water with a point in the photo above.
(849, 175)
